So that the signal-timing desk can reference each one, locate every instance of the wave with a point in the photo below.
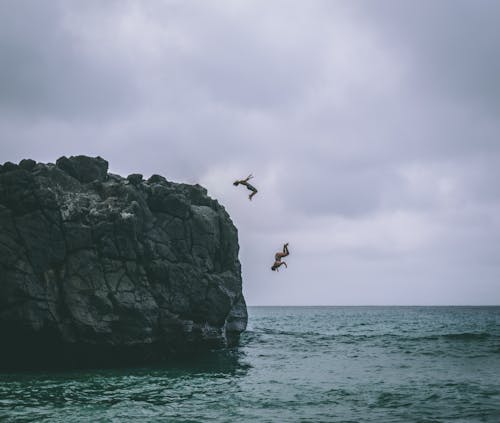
(463, 336)
(350, 338)
(288, 333)
(466, 336)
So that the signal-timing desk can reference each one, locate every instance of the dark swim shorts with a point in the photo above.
(251, 187)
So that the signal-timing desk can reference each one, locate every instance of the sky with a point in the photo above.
(371, 128)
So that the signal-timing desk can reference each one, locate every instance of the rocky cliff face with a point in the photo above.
(96, 268)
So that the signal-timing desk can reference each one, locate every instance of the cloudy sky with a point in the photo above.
(372, 129)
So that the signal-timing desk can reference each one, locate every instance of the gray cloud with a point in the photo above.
(371, 128)
(45, 73)
(451, 45)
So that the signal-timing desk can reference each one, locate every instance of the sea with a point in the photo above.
(295, 364)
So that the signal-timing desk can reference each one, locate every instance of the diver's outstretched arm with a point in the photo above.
(277, 264)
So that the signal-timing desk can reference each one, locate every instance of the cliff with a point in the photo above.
(97, 269)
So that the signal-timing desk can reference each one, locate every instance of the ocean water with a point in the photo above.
(295, 364)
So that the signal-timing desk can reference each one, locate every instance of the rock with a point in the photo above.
(96, 269)
(156, 179)
(85, 169)
(9, 167)
(135, 178)
(27, 164)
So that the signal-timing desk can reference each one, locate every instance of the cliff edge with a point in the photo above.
(98, 269)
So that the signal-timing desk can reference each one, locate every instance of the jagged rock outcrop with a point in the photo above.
(98, 269)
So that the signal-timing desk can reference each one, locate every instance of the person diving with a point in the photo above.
(247, 184)
(278, 256)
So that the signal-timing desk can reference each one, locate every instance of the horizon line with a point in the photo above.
(373, 305)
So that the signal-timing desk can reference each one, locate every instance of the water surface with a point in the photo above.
(296, 364)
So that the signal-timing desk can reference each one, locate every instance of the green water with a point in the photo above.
(296, 364)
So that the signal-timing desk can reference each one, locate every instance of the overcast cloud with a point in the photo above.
(372, 129)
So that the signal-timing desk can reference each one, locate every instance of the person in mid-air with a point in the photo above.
(278, 256)
(249, 186)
